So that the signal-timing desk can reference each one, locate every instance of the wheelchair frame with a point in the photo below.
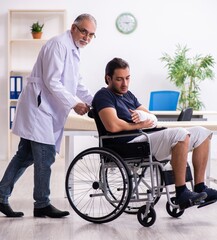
(102, 182)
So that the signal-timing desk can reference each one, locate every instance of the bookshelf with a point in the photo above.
(23, 51)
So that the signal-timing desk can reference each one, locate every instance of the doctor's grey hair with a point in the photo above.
(83, 16)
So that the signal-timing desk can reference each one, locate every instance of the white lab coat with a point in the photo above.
(50, 93)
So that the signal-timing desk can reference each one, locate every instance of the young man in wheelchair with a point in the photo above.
(119, 110)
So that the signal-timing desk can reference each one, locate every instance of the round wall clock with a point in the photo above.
(126, 23)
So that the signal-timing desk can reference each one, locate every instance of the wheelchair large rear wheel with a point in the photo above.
(98, 185)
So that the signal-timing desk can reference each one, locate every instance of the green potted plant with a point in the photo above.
(187, 73)
(36, 30)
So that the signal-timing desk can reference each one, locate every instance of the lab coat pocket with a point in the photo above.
(39, 99)
(34, 87)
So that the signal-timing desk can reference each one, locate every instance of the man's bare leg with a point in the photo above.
(179, 161)
(199, 161)
(185, 198)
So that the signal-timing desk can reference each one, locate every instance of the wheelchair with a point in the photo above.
(103, 182)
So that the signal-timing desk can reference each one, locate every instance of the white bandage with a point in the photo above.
(143, 116)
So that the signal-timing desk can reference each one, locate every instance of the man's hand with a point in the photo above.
(145, 122)
(81, 108)
(135, 116)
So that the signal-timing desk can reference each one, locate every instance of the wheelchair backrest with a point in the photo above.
(100, 127)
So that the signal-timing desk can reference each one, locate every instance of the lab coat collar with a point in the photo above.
(75, 49)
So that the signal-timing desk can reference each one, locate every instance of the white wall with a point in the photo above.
(161, 26)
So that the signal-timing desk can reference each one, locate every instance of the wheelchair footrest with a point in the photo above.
(191, 204)
(206, 203)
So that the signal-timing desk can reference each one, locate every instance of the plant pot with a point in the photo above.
(36, 35)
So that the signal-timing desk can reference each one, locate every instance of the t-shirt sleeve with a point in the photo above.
(102, 99)
(136, 102)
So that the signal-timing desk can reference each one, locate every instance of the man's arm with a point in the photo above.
(114, 124)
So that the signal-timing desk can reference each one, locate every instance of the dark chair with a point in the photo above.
(186, 114)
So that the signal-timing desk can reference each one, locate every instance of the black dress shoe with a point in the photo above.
(49, 211)
(7, 210)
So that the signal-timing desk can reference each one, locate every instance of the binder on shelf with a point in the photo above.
(19, 81)
(12, 114)
(16, 85)
(12, 87)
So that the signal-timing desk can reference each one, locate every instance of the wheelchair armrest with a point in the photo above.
(156, 129)
(121, 134)
(132, 133)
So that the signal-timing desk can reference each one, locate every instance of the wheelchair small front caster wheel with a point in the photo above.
(173, 212)
(146, 220)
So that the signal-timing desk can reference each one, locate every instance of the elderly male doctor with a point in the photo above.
(42, 109)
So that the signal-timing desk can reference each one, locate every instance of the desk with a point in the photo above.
(84, 126)
(211, 125)
(173, 115)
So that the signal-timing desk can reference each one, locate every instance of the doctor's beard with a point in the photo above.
(81, 43)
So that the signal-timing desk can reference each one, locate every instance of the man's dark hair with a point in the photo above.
(114, 64)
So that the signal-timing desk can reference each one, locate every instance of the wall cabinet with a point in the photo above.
(23, 51)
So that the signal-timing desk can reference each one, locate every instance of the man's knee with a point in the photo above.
(184, 142)
(181, 147)
(199, 135)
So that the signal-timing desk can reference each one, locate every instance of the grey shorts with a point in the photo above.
(163, 141)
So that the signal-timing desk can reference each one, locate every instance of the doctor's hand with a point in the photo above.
(81, 108)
